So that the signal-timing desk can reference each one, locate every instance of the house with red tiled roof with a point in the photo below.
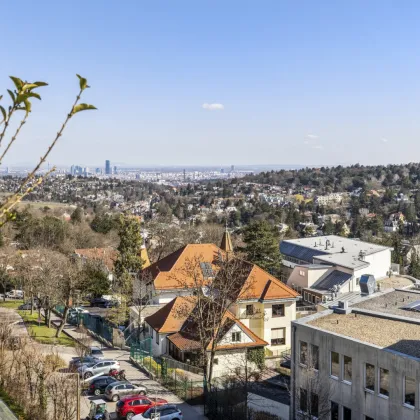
(174, 333)
(264, 304)
(175, 274)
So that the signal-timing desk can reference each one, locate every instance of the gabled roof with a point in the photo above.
(262, 286)
(171, 273)
(172, 316)
(186, 339)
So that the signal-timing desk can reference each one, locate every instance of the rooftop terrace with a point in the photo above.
(385, 333)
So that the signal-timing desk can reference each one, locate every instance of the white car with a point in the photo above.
(163, 412)
(100, 367)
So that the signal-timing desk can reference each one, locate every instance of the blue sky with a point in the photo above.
(300, 82)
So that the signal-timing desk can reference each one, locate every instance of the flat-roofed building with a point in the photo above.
(360, 362)
(322, 268)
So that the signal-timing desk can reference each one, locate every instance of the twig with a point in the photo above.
(43, 158)
(14, 137)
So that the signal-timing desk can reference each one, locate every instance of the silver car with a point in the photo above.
(116, 390)
(100, 367)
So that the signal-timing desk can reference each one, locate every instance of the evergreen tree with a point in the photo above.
(414, 266)
(328, 228)
(128, 261)
(77, 215)
(262, 246)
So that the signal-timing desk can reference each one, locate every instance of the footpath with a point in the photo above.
(155, 389)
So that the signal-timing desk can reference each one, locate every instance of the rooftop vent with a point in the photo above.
(367, 284)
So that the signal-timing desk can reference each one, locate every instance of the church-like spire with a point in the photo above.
(226, 244)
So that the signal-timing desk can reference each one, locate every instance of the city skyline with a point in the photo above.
(211, 83)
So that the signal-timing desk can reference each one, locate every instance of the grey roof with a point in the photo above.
(334, 278)
(300, 252)
(305, 249)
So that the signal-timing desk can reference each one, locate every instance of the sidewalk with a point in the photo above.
(5, 413)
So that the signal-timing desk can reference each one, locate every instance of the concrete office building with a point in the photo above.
(320, 269)
(363, 362)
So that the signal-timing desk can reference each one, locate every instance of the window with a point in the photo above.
(157, 337)
(303, 353)
(314, 405)
(347, 369)
(250, 309)
(335, 364)
(303, 403)
(384, 382)
(369, 418)
(410, 391)
(238, 370)
(334, 410)
(302, 273)
(215, 361)
(236, 336)
(315, 356)
(278, 310)
(346, 413)
(370, 377)
(278, 336)
(357, 281)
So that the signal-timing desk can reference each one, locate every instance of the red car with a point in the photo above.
(128, 407)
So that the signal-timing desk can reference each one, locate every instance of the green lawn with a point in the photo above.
(41, 333)
(11, 304)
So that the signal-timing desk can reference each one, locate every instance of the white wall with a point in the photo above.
(227, 339)
(229, 361)
(304, 277)
(158, 348)
(379, 264)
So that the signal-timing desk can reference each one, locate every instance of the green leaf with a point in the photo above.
(22, 97)
(3, 111)
(18, 83)
(33, 95)
(82, 107)
(39, 84)
(30, 86)
(28, 106)
(12, 95)
(1, 97)
(82, 82)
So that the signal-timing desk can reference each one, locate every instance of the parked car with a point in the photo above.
(98, 385)
(27, 306)
(97, 352)
(101, 366)
(128, 407)
(15, 294)
(103, 303)
(76, 362)
(119, 389)
(165, 412)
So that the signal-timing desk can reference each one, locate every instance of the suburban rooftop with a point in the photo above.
(332, 249)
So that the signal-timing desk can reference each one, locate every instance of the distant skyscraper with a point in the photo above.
(232, 168)
(108, 167)
(115, 169)
(185, 177)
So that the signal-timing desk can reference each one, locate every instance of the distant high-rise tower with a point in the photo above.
(115, 169)
(108, 168)
(185, 177)
(232, 168)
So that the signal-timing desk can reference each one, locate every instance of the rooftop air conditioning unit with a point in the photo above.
(367, 284)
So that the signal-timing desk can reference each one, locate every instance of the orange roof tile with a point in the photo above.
(106, 255)
(186, 341)
(171, 272)
(264, 286)
(172, 316)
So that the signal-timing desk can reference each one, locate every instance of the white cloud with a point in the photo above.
(213, 107)
(318, 147)
(306, 142)
(312, 136)
(384, 140)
